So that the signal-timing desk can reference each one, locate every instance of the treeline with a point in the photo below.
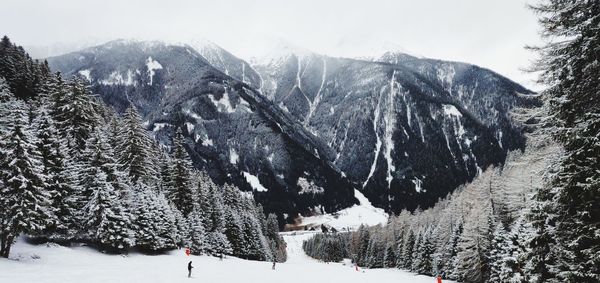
(328, 247)
(484, 235)
(479, 233)
(72, 170)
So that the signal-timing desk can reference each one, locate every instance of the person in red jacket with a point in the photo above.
(439, 279)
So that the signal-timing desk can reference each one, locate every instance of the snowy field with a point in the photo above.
(41, 263)
(352, 217)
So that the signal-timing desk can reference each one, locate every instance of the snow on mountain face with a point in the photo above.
(408, 130)
(232, 132)
(404, 130)
(227, 63)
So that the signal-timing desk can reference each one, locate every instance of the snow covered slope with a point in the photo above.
(352, 217)
(81, 264)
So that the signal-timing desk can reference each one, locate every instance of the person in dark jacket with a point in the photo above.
(190, 269)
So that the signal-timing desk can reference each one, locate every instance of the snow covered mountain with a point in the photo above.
(408, 130)
(232, 131)
(304, 130)
(227, 63)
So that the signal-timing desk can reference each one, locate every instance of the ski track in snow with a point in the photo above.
(82, 264)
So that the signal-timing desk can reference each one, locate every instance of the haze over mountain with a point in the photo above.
(474, 31)
(303, 130)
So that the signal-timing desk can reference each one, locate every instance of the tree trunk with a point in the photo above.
(5, 244)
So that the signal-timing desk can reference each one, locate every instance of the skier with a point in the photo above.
(439, 278)
(190, 269)
(273, 267)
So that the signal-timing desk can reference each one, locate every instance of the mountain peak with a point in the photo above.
(273, 50)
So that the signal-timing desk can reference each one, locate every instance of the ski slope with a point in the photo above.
(42, 263)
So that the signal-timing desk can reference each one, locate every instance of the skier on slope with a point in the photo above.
(190, 269)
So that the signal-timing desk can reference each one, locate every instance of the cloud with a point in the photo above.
(484, 32)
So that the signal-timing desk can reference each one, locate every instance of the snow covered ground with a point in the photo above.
(43, 263)
(352, 217)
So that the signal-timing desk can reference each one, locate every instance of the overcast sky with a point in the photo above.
(489, 33)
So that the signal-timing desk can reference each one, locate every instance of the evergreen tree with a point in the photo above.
(146, 219)
(181, 194)
(57, 169)
(197, 240)
(507, 257)
(389, 258)
(472, 258)
(277, 244)
(182, 230)
(568, 221)
(218, 244)
(165, 183)
(168, 230)
(74, 111)
(135, 148)
(235, 233)
(23, 198)
(99, 157)
(407, 253)
(256, 244)
(423, 262)
(105, 218)
(23, 74)
(7, 104)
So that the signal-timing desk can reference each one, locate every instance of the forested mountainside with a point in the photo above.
(479, 233)
(72, 170)
(230, 131)
(536, 218)
(406, 131)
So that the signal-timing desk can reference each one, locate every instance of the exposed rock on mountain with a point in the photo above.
(233, 132)
(304, 129)
(408, 130)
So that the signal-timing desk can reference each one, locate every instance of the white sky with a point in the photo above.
(489, 33)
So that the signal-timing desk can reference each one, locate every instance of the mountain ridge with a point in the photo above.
(314, 86)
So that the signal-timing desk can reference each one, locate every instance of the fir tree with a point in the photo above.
(423, 262)
(57, 169)
(235, 233)
(407, 253)
(256, 244)
(23, 198)
(74, 111)
(389, 258)
(472, 258)
(197, 236)
(146, 219)
(135, 148)
(181, 194)
(568, 221)
(105, 218)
